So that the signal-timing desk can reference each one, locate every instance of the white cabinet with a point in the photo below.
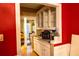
(46, 18)
(39, 20)
(62, 50)
(46, 51)
(41, 48)
(74, 51)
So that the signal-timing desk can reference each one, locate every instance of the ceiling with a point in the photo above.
(32, 5)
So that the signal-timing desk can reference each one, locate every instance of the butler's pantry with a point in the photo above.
(40, 27)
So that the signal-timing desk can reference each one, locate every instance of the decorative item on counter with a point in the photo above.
(55, 31)
(56, 34)
(51, 35)
(46, 34)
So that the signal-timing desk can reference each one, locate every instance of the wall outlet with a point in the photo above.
(1, 37)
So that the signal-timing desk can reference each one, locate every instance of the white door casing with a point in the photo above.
(18, 29)
(18, 37)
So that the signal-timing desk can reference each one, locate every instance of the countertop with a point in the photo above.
(45, 40)
(40, 38)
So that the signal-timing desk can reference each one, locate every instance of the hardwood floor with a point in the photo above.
(24, 52)
(33, 54)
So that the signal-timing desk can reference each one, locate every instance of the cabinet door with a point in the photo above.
(47, 51)
(37, 21)
(35, 46)
(74, 51)
(45, 19)
(62, 50)
(53, 19)
(39, 49)
(40, 20)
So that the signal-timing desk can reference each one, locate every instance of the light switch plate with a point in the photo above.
(1, 37)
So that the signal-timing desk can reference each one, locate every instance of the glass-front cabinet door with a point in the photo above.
(46, 18)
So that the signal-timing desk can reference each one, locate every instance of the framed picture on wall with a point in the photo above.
(1, 37)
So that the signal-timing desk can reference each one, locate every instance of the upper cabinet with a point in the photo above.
(46, 18)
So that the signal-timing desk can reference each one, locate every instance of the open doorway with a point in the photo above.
(36, 18)
(27, 31)
(28, 28)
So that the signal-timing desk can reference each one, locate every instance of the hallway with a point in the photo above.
(29, 52)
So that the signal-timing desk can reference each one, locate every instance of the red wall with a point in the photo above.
(70, 21)
(75, 18)
(70, 25)
(8, 28)
(66, 23)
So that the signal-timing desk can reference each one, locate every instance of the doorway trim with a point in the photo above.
(18, 29)
(18, 37)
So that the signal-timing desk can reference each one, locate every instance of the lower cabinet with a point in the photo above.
(41, 48)
(62, 50)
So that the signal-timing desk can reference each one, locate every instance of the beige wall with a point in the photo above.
(22, 25)
(29, 15)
